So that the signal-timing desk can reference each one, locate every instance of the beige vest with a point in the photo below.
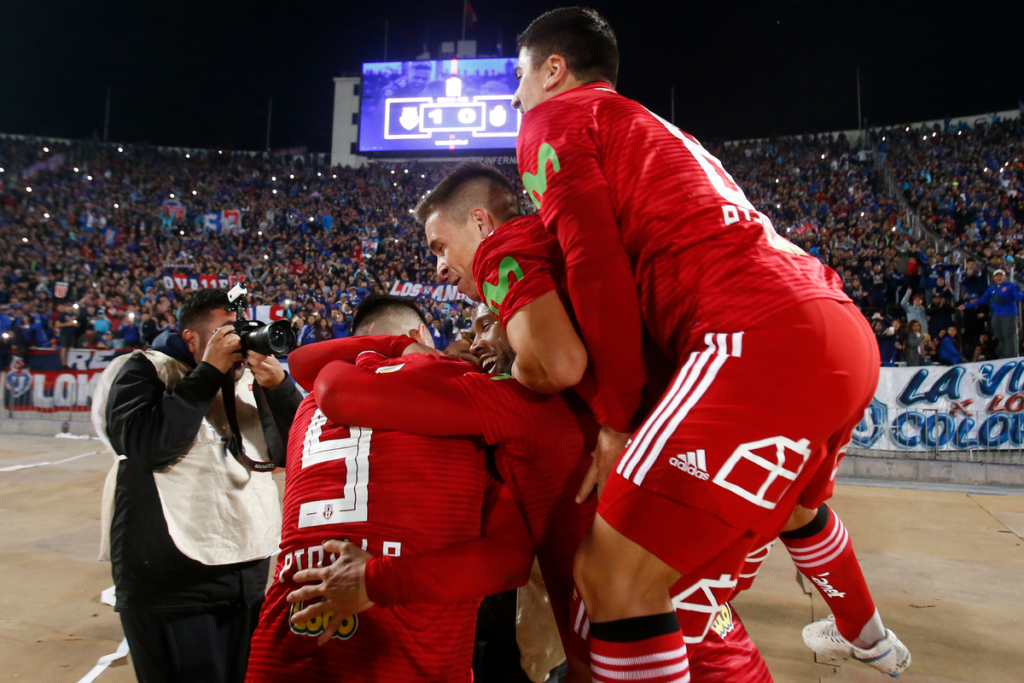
(217, 511)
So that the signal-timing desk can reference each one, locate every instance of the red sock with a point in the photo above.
(652, 659)
(822, 551)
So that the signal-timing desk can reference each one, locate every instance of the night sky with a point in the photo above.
(200, 73)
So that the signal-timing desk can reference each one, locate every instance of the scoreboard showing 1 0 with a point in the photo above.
(474, 112)
(485, 116)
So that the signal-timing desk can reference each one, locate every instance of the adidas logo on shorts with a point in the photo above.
(692, 463)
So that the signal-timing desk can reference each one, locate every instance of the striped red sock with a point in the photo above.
(657, 656)
(822, 551)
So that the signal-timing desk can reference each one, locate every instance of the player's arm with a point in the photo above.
(513, 273)
(559, 161)
(355, 580)
(550, 356)
(498, 561)
(305, 362)
(351, 395)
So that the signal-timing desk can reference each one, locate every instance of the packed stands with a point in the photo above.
(921, 215)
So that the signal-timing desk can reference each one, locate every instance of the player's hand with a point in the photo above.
(460, 349)
(610, 445)
(266, 369)
(342, 587)
(224, 349)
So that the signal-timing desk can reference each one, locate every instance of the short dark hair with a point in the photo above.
(579, 34)
(499, 196)
(377, 307)
(195, 313)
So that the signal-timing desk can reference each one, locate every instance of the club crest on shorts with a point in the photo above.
(315, 626)
(762, 471)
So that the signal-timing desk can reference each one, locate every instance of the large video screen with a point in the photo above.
(444, 105)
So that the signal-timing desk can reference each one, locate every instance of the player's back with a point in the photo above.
(393, 494)
(704, 259)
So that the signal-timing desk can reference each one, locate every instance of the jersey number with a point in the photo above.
(727, 188)
(355, 451)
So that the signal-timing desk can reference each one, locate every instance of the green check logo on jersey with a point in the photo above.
(495, 294)
(537, 185)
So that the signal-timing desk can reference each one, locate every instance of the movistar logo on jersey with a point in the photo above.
(495, 294)
(537, 185)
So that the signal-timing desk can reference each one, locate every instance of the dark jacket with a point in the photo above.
(153, 427)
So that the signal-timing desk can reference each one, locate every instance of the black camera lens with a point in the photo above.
(275, 339)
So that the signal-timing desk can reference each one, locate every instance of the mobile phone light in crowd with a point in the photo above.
(181, 232)
(194, 193)
(117, 206)
(291, 176)
(6, 336)
(266, 258)
(120, 149)
(89, 177)
(172, 195)
(75, 306)
(46, 215)
(188, 156)
(24, 239)
(46, 149)
(29, 189)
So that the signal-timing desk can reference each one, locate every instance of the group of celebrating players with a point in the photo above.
(635, 337)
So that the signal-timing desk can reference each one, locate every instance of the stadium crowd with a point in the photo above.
(924, 291)
(111, 221)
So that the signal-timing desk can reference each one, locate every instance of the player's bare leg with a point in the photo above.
(822, 551)
(633, 627)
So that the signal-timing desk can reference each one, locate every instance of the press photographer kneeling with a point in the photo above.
(191, 512)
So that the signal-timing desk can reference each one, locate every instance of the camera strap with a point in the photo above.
(234, 445)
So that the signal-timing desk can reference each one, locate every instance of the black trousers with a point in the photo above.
(191, 647)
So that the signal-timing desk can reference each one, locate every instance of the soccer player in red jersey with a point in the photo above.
(394, 494)
(719, 465)
(532, 433)
(516, 262)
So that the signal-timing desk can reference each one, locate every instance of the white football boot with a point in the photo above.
(888, 655)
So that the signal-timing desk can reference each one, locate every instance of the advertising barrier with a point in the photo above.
(967, 407)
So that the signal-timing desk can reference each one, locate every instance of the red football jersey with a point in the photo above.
(517, 264)
(544, 442)
(394, 494)
(544, 445)
(629, 195)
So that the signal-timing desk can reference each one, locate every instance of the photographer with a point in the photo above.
(192, 518)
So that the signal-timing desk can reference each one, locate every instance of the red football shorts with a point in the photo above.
(752, 424)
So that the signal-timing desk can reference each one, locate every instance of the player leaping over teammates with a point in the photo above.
(516, 266)
(775, 364)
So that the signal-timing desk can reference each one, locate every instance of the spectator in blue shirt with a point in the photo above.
(1002, 299)
(949, 352)
(440, 340)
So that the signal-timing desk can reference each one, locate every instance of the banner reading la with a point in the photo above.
(964, 407)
